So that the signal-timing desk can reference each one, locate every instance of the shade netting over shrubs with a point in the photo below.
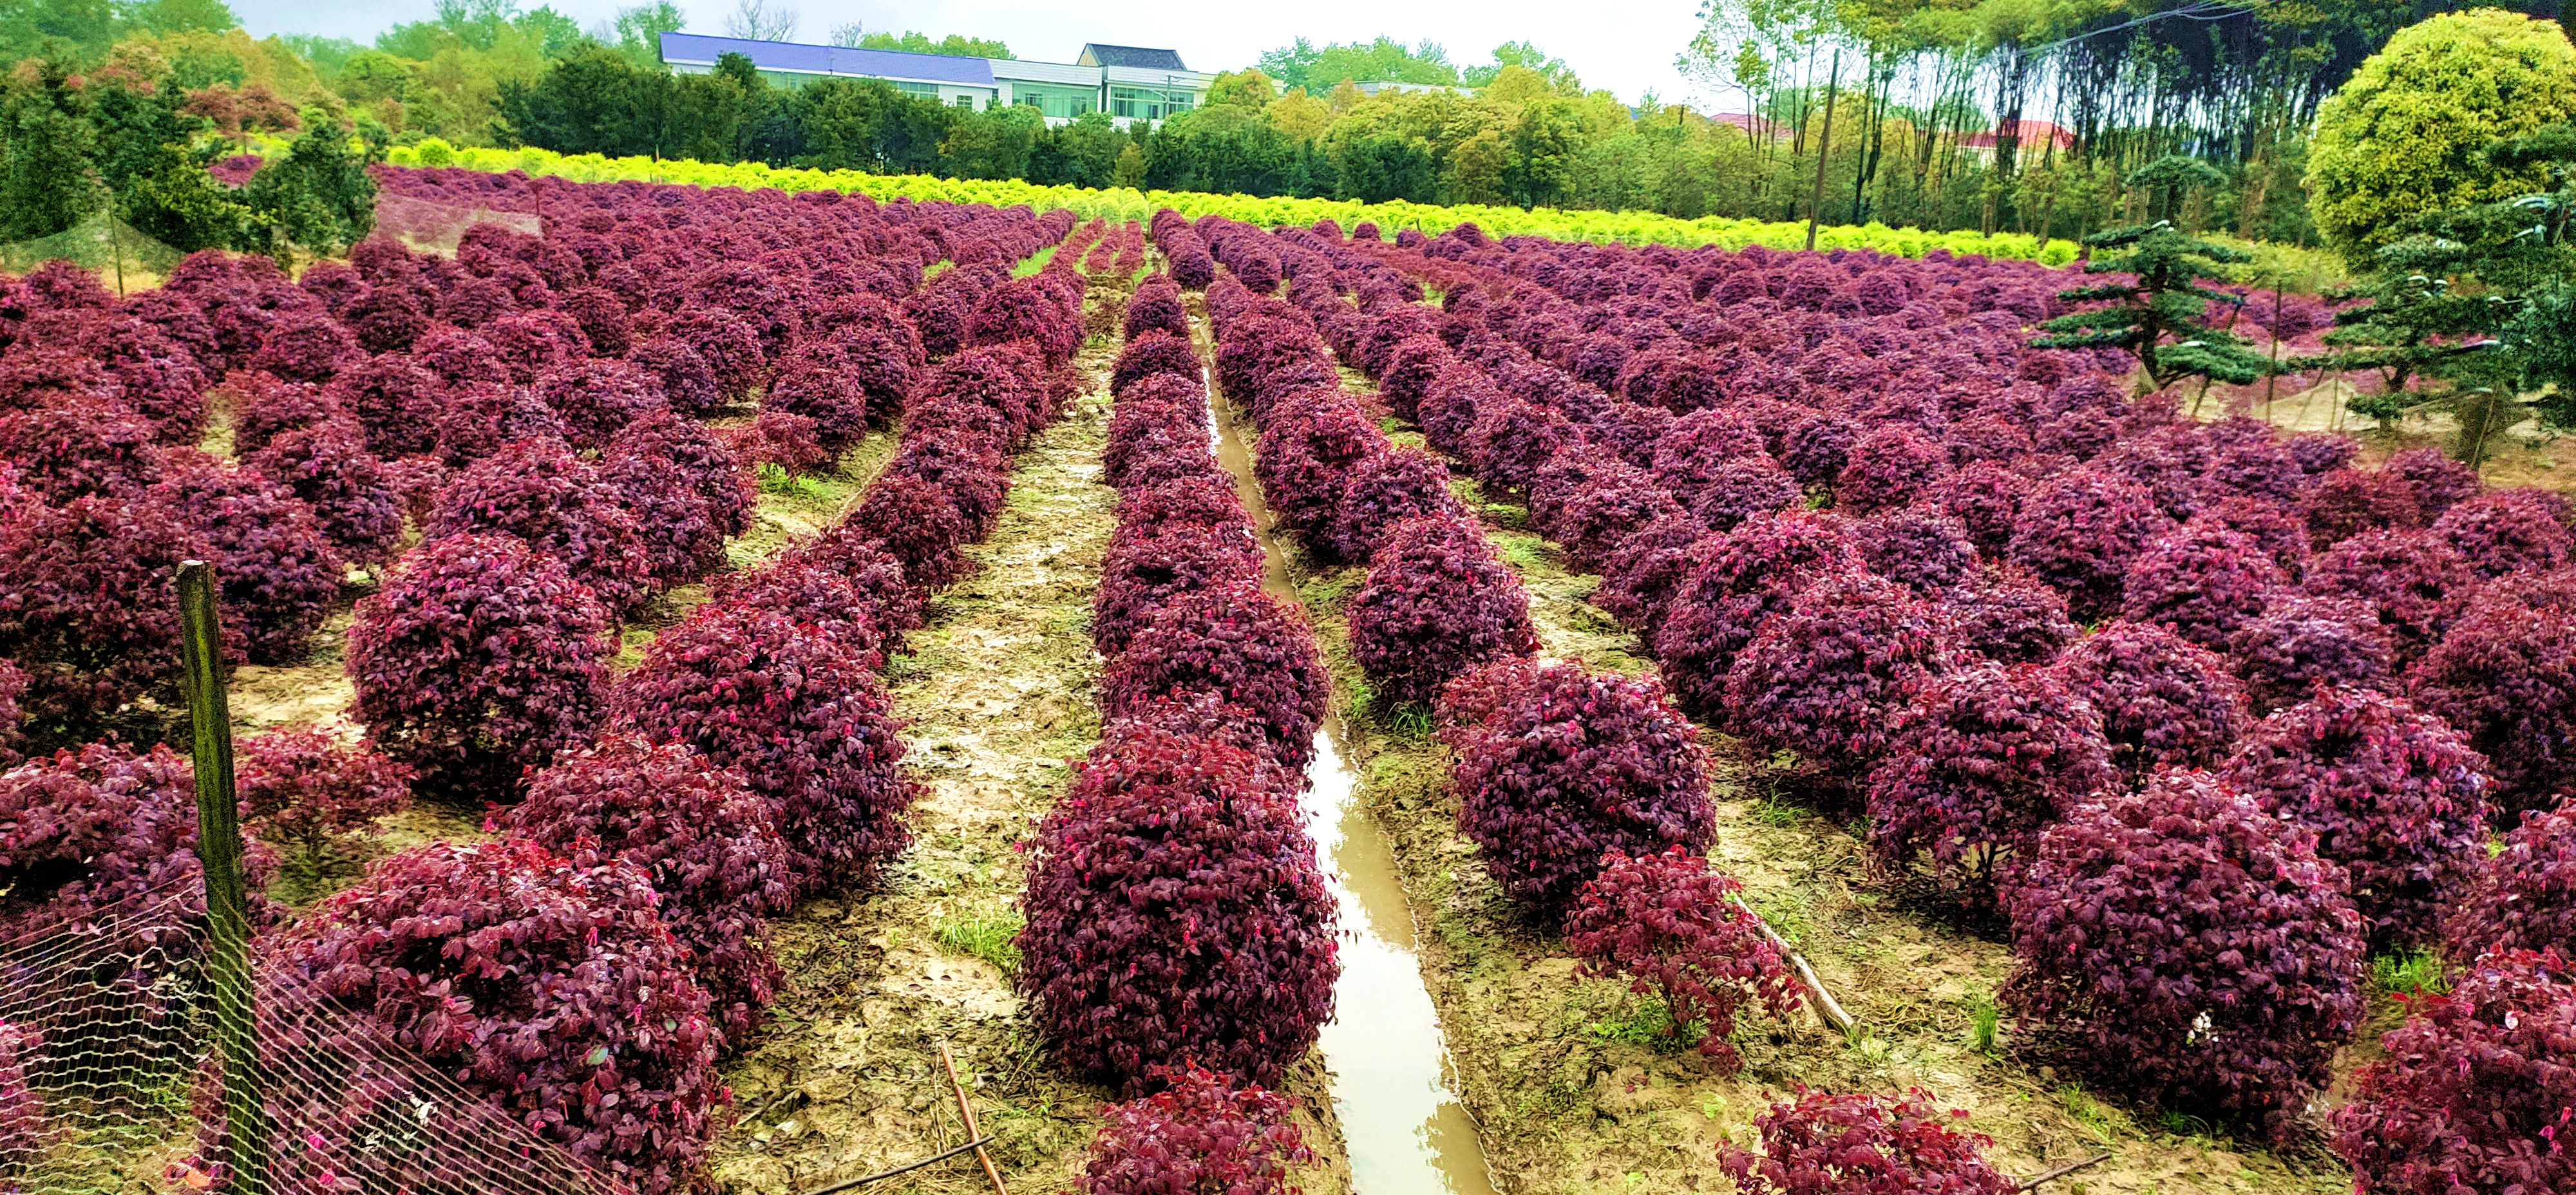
(1983, 760)
(1827, 677)
(478, 659)
(2198, 946)
(1437, 603)
(83, 831)
(551, 990)
(1673, 928)
(2163, 701)
(1175, 915)
(2524, 898)
(803, 718)
(2393, 795)
(1233, 641)
(2473, 1090)
(1858, 1144)
(1201, 1132)
(1558, 765)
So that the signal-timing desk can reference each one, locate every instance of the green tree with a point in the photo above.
(1377, 167)
(953, 45)
(2402, 137)
(29, 28)
(181, 16)
(2161, 317)
(318, 197)
(1385, 60)
(639, 30)
(1082, 153)
(48, 182)
(173, 200)
(839, 120)
(993, 143)
(1560, 77)
(1541, 153)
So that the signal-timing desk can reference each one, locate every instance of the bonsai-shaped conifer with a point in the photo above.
(2161, 313)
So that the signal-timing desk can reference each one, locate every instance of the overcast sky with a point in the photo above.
(1626, 46)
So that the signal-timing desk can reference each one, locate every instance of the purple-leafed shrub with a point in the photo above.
(1201, 1132)
(1638, 579)
(2010, 620)
(480, 418)
(1739, 489)
(70, 451)
(1986, 498)
(89, 606)
(728, 346)
(81, 832)
(13, 735)
(2471, 1093)
(1205, 499)
(2198, 946)
(558, 504)
(1922, 549)
(1156, 307)
(1605, 512)
(394, 400)
(2323, 452)
(2439, 483)
(328, 467)
(1728, 587)
(1889, 467)
(2300, 643)
(778, 438)
(1511, 440)
(1164, 843)
(801, 715)
(683, 490)
(2164, 701)
(1309, 445)
(1236, 642)
(2509, 531)
(2394, 796)
(1826, 677)
(552, 990)
(1153, 353)
(307, 793)
(1437, 602)
(305, 348)
(279, 576)
(24, 1136)
(2277, 527)
(602, 318)
(477, 660)
(1983, 760)
(688, 381)
(916, 522)
(1412, 366)
(2079, 531)
(2505, 677)
(1025, 309)
(1387, 490)
(2347, 501)
(263, 406)
(817, 389)
(2523, 898)
(1558, 765)
(1671, 927)
(599, 397)
(1818, 447)
(702, 837)
(1858, 1144)
(1146, 571)
(1695, 444)
(2412, 579)
(2202, 582)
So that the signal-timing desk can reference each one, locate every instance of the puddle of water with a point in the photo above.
(1394, 1088)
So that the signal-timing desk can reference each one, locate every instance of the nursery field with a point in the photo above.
(750, 691)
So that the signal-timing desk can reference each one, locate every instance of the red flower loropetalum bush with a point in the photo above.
(552, 990)
(2413, 579)
(1144, 571)
(1984, 759)
(1245, 646)
(1436, 603)
(599, 397)
(2506, 532)
(1200, 1133)
(328, 466)
(819, 389)
(2523, 898)
(687, 380)
(1671, 927)
(1156, 307)
(2163, 700)
(2346, 502)
(1558, 765)
(2505, 677)
(2080, 530)
(1386, 491)
(1729, 586)
(2301, 643)
(1889, 467)
(62, 452)
(279, 574)
(1175, 912)
(477, 660)
(1511, 440)
(2473, 1091)
(538, 492)
(304, 790)
(395, 400)
(1826, 677)
(698, 831)
(1310, 443)
(2199, 947)
(682, 489)
(2394, 797)
(2438, 481)
(2010, 620)
(1921, 548)
(1153, 353)
(89, 605)
(82, 832)
(2203, 582)
(1986, 497)
(1826, 1144)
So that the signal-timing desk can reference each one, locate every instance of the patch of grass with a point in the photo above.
(2409, 972)
(1783, 909)
(983, 935)
(1985, 1023)
(2088, 1113)
(2182, 1124)
(1410, 721)
(1524, 552)
(1642, 1022)
(1774, 812)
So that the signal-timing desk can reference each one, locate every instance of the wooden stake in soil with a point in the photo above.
(967, 1110)
(977, 1144)
(1826, 1007)
(219, 851)
(2067, 1169)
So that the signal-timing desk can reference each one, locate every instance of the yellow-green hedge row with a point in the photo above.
(1121, 203)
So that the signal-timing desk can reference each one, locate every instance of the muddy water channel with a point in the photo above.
(1394, 1087)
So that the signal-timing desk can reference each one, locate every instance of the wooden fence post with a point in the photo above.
(227, 902)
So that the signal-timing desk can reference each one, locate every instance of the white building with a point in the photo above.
(1128, 82)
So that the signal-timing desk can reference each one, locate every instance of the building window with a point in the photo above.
(1139, 103)
(965, 101)
(928, 91)
(1055, 102)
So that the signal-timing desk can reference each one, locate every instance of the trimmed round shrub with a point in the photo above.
(1603, 514)
(807, 385)
(1889, 467)
(730, 348)
(1164, 844)
(1201, 1132)
(328, 467)
(480, 419)
(2164, 701)
(549, 989)
(2394, 797)
(2323, 452)
(1982, 761)
(1695, 444)
(279, 575)
(1156, 307)
(1309, 446)
(2346, 502)
(2010, 620)
(1511, 440)
(2438, 481)
(76, 450)
(2505, 677)
(395, 400)
(1558, 765)
(2203, 582)
(1436, 603)
(1386, 491)
(698, 832)
(1146, 571)
(538, 492)
(89, 605)
(2524, 897)
(882, 360)
(2080, 531)
(1154, 353)
(476, 661)
(2412, 579)
(1827, 677)
(887, 599)
(1027, 309)
(685, 490)
(306, 792)
(1238, 643)
(1922, 549)
(813, 594)
(1728, 587)
(800, 714)
(2300, 644)
(82, 832)
(1672, 927)
(1818, 448)
(1986, 498)
(1859, 1144)
(2278, 528)
(2509, 531)
(1205, 499)
(688, 381)
(2198, 946)
(599, 397)
(1639, 578)
(915, 521)
(2471, 1093)
(1742, 488)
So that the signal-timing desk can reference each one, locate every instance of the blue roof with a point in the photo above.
(830, 60)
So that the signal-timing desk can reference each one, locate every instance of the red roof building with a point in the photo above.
(2032, 134)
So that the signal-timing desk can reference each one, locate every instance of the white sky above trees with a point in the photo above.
(1626, 46)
